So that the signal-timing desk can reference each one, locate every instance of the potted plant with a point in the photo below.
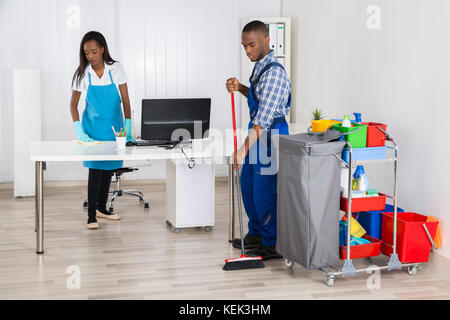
(317, 114)
(318, 122)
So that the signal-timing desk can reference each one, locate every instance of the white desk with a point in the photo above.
(204, 152)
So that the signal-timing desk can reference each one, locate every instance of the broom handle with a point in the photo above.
(237, 176)
(241, 228)
(234, 122)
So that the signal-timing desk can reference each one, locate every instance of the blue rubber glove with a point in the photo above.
(128, 129)
(81, 135)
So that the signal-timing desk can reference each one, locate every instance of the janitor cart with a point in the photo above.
(348, 269)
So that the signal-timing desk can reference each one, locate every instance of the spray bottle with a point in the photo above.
(360, 180)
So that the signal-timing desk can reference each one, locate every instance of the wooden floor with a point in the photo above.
(139, 257)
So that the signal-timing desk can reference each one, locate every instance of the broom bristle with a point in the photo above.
(243, 263)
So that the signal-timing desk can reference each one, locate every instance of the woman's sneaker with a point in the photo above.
(92, 224)
(250, 242)
(107, 215)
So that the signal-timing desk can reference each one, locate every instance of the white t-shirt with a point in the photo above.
(117, 72)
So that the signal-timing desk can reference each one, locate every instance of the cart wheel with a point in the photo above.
(85, 204)
(168, 223)
(289, 263)
(111, 209)
(146, 206)
(412, 270)
(330, 280)
(208, 229)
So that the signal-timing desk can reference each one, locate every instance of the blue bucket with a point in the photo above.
(371, 220)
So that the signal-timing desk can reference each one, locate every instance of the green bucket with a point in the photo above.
(358, 138)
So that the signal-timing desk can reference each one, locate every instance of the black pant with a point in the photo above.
(98, 188)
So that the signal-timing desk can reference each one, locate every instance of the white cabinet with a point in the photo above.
(27, 127)
(189, 194)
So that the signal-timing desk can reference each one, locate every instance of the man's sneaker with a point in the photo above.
(265, 253)
(250, 242)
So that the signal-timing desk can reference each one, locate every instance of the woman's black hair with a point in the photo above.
(100, 39)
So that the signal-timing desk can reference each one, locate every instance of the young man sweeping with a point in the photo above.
(269, 99)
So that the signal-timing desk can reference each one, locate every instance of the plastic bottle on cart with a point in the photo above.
(346, 122)
(360, 180)
(355, 180)
(364, 182)
(344, 182)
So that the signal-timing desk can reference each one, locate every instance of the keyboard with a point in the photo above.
(144, 143)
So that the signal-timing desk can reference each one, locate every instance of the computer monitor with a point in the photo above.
(175, 119)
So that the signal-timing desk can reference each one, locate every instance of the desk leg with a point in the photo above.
(231, 202)
(39, 206)
(36, 174)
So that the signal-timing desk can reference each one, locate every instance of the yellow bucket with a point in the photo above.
(322, 125)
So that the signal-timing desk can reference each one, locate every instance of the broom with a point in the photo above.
(243, 262)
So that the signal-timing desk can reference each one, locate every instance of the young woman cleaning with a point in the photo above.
(101, 78)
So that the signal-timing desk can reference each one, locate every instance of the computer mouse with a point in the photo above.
(130, 143)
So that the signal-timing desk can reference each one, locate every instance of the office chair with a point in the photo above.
(118, 192)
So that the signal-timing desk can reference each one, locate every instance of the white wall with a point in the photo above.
(171, 48)
(399, 75)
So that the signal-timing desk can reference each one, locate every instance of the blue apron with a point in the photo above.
(259, 191)
(103, 111)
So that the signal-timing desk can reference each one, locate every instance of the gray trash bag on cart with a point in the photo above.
(309, 198)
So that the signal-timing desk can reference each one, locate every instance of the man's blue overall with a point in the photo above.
(259, 190)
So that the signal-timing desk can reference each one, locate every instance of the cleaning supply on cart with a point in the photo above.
(346, 122)
(371, 220)
(344, 182)
(358, 194)
(372, 193)
(364, 182)
(360, 180)
(356, 179)
(356, 241)
(343, 236)
(355, 182)
(342, 233)
(357, 117)
(437, 239)
(356, 229)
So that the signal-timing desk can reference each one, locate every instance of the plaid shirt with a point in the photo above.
(272, 91)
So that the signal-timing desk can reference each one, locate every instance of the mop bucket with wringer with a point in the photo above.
(414, 236)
